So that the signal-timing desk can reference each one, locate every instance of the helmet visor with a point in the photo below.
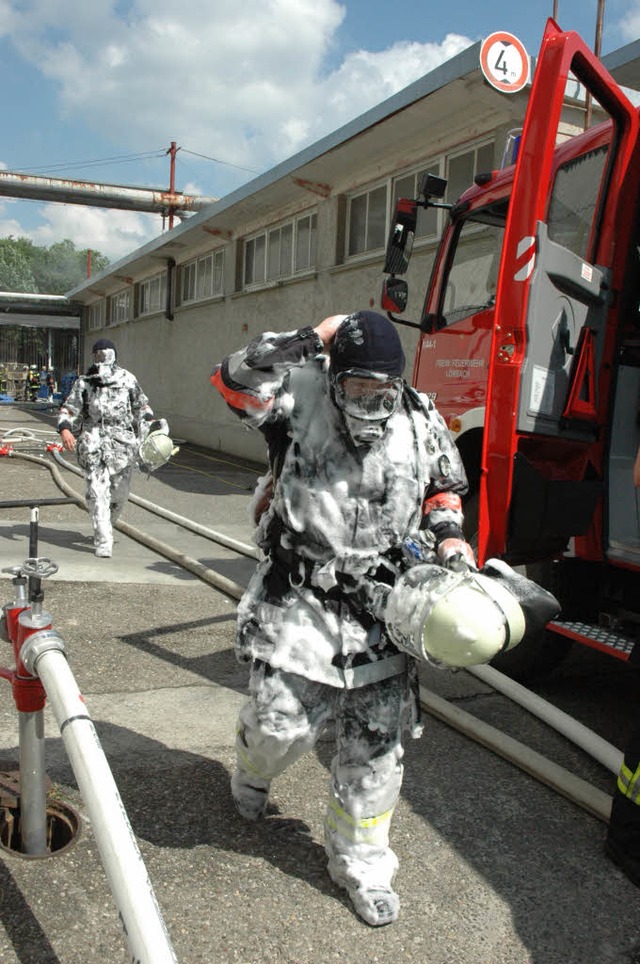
(368, 396)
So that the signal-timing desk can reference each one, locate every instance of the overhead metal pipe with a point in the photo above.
(90, 193)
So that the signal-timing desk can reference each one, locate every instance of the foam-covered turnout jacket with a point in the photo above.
(623, 835)
(310, 622)
(105, 412)
(339, 513)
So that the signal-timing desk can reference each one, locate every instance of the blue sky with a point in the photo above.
(98, 91)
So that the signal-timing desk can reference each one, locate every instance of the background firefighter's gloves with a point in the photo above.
(456, 554)
(538, 605)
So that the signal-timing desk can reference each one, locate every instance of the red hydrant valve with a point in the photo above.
(28, 693)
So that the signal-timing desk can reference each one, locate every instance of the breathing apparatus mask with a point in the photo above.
(366, 400)
(156, 447)
(366, 365)
(104, 358)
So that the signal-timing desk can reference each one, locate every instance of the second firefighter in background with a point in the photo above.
(110, 414)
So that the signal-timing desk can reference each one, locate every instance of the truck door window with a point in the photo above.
(574, 200)
(473, 271)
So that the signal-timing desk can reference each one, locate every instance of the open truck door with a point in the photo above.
(563, 259)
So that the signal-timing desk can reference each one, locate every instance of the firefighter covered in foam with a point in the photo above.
(110, 414)
(361, 464)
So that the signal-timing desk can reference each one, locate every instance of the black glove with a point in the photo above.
(538, 605)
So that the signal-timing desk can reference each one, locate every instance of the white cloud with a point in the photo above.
(249, 83)
(246, 82)
(629, 24)
(112, 233)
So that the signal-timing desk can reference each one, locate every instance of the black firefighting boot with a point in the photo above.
(622, 844)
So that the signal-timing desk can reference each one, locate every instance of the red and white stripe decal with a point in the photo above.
(526, 249)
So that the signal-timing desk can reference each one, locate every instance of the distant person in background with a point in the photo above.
(110, 414)
(51, 386)
(623, 836)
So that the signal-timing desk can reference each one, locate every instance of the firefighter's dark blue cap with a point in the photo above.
(367, 341)
(102, 344)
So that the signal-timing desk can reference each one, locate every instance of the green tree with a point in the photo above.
(25, 266)
(16, 273)
(62, 266)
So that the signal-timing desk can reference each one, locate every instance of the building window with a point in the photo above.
(306, 234)
(368, 212)
(202, 278)
(281, 252)
(120, 307)
(152, 294)
(367, 230)
(463, 167)
(96, 315)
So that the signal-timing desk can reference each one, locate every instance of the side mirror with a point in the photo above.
(395, 294)
(432, 186)
(400, 243)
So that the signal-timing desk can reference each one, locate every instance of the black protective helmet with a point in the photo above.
(103, 344)
(367, 343)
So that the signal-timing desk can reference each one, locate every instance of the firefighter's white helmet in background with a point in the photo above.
(156, 447)
(457, 619)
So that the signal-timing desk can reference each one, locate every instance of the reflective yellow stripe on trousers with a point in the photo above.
(369, 830)
(245, 759)
(629, 783)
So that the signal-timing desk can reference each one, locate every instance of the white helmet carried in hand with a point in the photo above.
(156, 448)
(451, 618)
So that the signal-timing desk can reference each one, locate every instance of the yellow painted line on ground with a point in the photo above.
(209, 475)
(214, 458)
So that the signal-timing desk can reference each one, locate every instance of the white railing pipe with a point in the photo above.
(144, 928)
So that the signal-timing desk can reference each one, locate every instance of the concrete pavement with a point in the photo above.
(494, 867)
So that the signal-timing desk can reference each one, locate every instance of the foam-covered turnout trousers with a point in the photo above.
(284, 717)
(106, 494)
(623, 836)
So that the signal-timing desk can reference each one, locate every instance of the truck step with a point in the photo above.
(598, 637)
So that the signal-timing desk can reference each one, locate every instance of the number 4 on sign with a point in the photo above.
(501, 63)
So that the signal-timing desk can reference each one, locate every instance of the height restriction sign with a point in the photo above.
(504, 62)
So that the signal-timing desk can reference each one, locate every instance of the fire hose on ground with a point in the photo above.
(558, 778)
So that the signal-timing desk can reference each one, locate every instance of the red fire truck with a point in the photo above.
(530, 347)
